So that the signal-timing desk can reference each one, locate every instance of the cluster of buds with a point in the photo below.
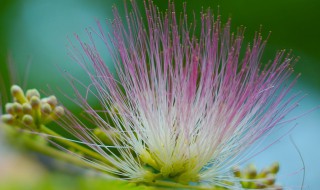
(29, 110)
(250, 178)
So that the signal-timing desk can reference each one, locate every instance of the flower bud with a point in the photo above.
(7, 118)
(35, 102)
(32, 92)
(46, 108)
(57, 112)
(236, 171)
(52, 100)
(17, 108)
(26, 108)
(27, 120)
(270, 179)
(17, 93)
(9, 108)
(251, 171)
(274, 168)
(264, 172)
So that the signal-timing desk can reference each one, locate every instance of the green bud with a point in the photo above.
(9, 108)
(17, 108)
(26, 108)
(7, 118)
(270, 179)
(58, 111)
(46, 108)
(245, 184)
(18, 94)
(32, 92)
(274, 168)
(27, 120)
(251, 171)
(236, 171)
(52, 100)
(35, 102)
(264, 172)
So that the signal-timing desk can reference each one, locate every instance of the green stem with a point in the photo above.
(80, 148)
(44, 149)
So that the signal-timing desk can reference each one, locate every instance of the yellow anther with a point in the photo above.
(32, 92)
(18, 94)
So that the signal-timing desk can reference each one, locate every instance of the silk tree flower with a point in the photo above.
(181, 107)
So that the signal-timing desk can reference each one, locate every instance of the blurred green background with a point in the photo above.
(36, 32)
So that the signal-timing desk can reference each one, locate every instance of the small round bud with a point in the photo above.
(264, 172)
(26, 108)
(17, 93)
(58, 111)
(236, 171)
(270, 179)
(46, 108)
(251, 171)
(32, 92)
(17, 108)
(274, 168)
(35, 102)
(52, 100)
(27, 120)
(7, 118)
(9, 108)
(15, 90)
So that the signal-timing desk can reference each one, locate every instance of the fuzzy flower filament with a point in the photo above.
(183, 108)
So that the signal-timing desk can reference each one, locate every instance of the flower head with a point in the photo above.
(29, 111)
(180, 107)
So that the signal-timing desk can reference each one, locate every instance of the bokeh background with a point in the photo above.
(34, 38)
